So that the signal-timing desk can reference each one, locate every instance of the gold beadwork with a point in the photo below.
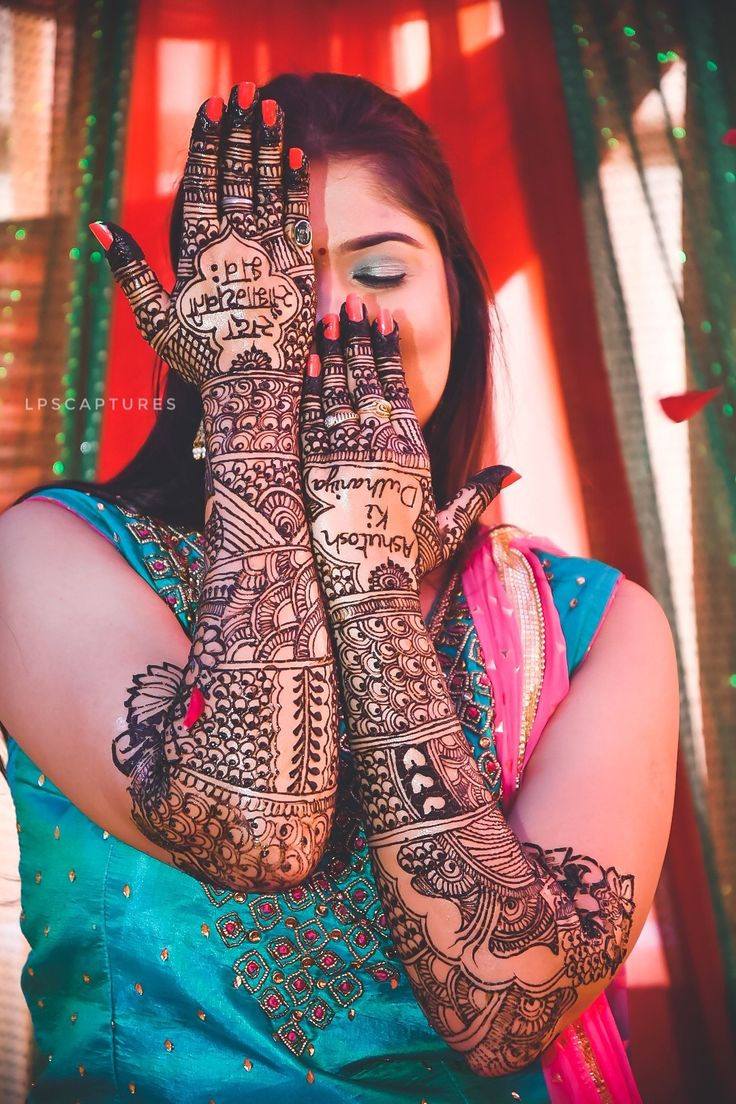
(82, 1071)
(202, 1014)
(247, 1064)
(74, 1017)
(38, 876)
(41, 779)
(138, 988)
(310, 1049)
(126, 890)
(86, 979)
(164, 954)
(131, 1088)
(205, 930)
(310, 1077)
(169, 1045)
(72, 875)
(57, 832)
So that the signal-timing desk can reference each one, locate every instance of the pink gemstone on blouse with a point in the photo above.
(380, 975)
(299, 984)
(345, 986)
(361, 939)
(328, 960)
(282, 949)
(359, 895)
(273, 1002)
(382, 920)
(265, 907)
(310, 934)
(252, 968)
(145, 532)
(297, 894)
(158, 564)
(319, 1012)
(171, 600)
(473, 712)
(291, 1036)
(230, 927)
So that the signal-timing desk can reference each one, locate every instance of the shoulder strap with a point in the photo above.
(170, 560)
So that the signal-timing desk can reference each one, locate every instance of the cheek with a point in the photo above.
(426, 345)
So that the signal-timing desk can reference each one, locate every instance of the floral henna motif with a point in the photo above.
(243, 792)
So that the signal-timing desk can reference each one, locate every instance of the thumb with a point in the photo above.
(147, 297)
(468, 504)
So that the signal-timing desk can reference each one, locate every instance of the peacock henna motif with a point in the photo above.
(241, 790)
(497, 936)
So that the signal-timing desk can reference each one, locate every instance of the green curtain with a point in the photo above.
(611, 55)
(67, 63)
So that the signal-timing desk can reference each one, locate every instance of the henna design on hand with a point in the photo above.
(496, 936)
(243, 796)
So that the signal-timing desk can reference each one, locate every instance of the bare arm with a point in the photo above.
(505, 941)
(229, 757)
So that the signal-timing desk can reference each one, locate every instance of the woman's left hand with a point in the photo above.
(367, 479)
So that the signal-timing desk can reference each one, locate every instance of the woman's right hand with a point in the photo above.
(244, 297)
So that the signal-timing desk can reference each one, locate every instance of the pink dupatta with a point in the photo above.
(521, 638)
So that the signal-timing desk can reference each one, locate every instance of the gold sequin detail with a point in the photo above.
(86, 979)
(138, 988)
(126, 890)
(57, 832)
(46, 930)
(131, 1088)
(74, 1017)
(580, 580)
(164, 954)
(515, 1096)
(41, 779)
(239, 897)
(31, 971)
(310, 1077)
(592, 1064)
(247, 1064)
(351, 1013)
(82, 1071)
(254, 936)
(38, 876)
(202, 1014)
(520, 585)
(72, 875)
(169, 1045)
(573, 603)
(40, 1003)
(105, 834)
(205, 930)
(310, 1049)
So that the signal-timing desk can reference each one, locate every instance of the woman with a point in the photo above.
(261, 890)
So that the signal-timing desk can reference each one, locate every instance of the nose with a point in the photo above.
(330, 292)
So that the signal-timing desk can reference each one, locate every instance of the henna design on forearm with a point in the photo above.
(243, 794)
(497, 936)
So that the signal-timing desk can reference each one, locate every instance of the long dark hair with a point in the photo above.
(335, 115)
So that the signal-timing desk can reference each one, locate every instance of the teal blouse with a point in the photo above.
(145, 982)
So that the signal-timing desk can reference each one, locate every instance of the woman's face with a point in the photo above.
(355, 230)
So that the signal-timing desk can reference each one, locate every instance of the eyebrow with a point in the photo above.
(370, 240)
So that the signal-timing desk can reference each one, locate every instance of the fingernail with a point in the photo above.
(214, 108)
(246, 94)
(507, 480)
(194, 709)
(331, 326)
(354, 307)
(269, 110)
(385, 321)
(102, 234)
(314, 367)
(296, 157)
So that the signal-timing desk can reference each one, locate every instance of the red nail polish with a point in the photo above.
(214, 108)
(269, 111)
(313, 366)
(246, 94)
(102, 234)
(331, 324)
(296, 157)
(385, 321)
(194, 709)
(354, 307)
(507, 480)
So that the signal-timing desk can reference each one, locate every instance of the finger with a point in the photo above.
(387, 354)
(315, 441)
(269, 199)
(237, 159)
(340, 419)
(455, 520)
(141, 287)
(296, 201)
(200, 218)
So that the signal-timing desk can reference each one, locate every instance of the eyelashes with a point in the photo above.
(368, 279)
